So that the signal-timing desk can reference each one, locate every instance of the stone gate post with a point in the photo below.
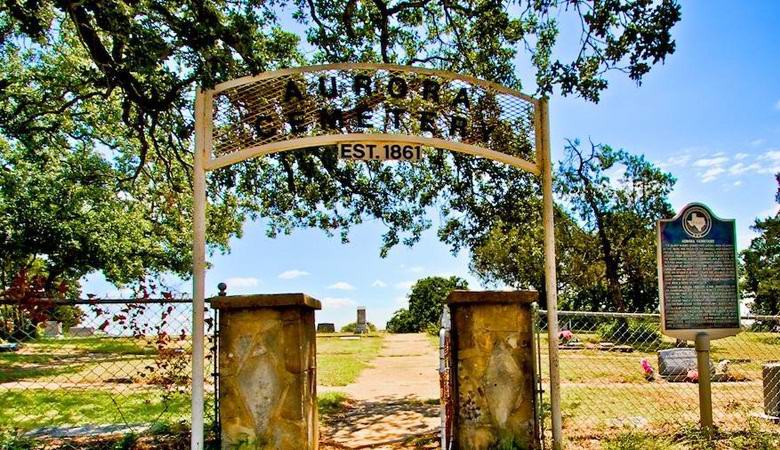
(493, 369)
(267, 371)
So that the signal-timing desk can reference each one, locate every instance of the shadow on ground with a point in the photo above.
(386, 420)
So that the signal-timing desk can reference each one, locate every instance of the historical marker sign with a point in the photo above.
(697, 274)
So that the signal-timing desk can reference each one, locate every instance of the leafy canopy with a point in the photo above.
(116, 81)
(425, 304)
(762, 264)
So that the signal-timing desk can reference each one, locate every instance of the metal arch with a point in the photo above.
(333, 139)
(371, 66)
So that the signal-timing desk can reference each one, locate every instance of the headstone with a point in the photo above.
(697, 274)
(52, 328)
(81, 331)
(361, 327)
(675, 363)
(9, 347)
(771, 375)
(326, 328)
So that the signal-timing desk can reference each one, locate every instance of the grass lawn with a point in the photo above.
(340, 361)
(35, 408)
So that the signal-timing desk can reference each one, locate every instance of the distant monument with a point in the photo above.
(361, 326)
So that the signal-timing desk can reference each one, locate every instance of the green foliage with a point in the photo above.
(351, 327)
(433, 329)
(618, 197)
(126, 442)
(630, 332)
(105, 94)
(401, 322)
(425, 304)
(329, 403)
(15, 440)
(508, 443)
(636, 440)
(762, 264)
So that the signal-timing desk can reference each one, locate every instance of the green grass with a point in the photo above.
(44, 359)
(634, 440)
(329, 403)
(340, 361)
(95, 344)
(34, 408)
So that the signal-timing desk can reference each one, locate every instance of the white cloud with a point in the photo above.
(771, 155)
(342, 285)
(777, 105)
(242, 282)
(740, 168)
(337, 302)
(402, 302)
(739, 156)
(757, 142)
(710, 162)
(738, 183)
(292, 274)
(711, 174)
(405, 285)
(675, 161)
(379, 284)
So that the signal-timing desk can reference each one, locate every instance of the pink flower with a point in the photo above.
(566, 335)
(693, 375)
(646, 367)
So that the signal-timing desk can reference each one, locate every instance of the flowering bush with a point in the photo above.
(566, 336)
(647, 369)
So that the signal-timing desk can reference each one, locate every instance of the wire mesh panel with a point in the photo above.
(99, 368)
(376, 99)
(619, 372)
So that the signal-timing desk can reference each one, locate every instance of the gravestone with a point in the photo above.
(81, 331)
(675, 363)
(52, 328)
(360, 326)
(326, 328)
(771, 376)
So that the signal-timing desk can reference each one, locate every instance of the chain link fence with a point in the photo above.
(103, 367)
(122, 367)
(618, 373)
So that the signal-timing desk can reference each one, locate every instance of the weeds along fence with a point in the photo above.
(611, 378)
(85, 367)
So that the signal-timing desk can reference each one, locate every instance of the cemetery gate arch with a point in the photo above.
(370, 112)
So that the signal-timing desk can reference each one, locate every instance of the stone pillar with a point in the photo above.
(267, 371)
(493, 375)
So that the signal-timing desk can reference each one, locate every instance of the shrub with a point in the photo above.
(630, 331)
(433, 329)
(351, 327)
(402, 322)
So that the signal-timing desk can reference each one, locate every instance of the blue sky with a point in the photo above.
(710, 116)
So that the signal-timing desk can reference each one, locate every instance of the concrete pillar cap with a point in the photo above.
(264, 301)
